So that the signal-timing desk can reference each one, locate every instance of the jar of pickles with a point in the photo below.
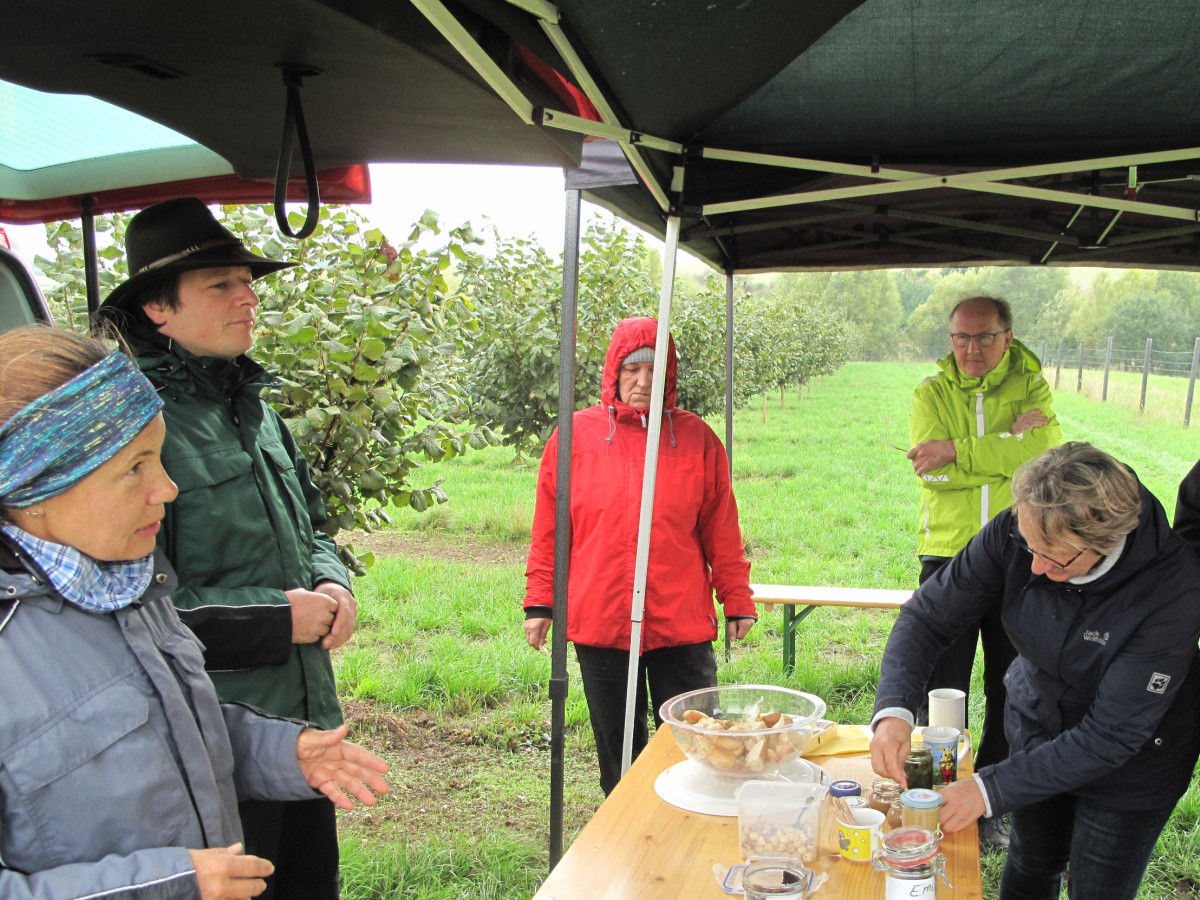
(883, 792)
(918, 765)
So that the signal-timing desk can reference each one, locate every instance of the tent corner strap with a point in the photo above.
(294, 128)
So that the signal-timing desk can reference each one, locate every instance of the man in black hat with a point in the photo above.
(260, 584)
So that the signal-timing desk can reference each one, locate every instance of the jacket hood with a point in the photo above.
(1144, 546)
(639, 331)
(1019, 359)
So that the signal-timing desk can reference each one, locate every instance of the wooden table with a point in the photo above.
(639, 847)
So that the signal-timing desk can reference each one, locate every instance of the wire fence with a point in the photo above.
(1104, 371)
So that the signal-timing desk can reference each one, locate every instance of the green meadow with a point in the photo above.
(439, 680)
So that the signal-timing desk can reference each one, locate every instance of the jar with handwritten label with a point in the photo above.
(910, 860)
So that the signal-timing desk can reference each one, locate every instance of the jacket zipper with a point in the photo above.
(985, 500)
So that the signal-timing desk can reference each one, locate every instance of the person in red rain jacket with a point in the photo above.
(695, 547)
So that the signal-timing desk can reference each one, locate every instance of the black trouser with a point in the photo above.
(300, 838)
(669, 670)
(953, 670)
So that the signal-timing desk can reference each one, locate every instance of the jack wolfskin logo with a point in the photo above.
(1101, 639)
(1158, 683)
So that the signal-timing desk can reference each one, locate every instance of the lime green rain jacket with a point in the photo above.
(958, 499)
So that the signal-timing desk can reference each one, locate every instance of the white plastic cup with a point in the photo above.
(948, 706)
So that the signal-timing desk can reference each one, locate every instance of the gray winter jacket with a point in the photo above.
(115, 755)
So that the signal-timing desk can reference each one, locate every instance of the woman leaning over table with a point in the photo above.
(119, 769)
(1102, 602)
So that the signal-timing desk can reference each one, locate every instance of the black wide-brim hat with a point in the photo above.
(177, 236)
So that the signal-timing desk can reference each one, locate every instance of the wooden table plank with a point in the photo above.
(638, 847)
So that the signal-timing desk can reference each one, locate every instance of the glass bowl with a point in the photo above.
(746, 730)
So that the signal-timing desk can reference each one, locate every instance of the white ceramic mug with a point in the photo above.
(948, 706)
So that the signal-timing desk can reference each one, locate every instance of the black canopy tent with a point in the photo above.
(902, 132)
(763, 134)
(786, 134)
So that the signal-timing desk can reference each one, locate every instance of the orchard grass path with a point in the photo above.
(439, 681)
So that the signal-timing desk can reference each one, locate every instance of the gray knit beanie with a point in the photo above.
(640, 355)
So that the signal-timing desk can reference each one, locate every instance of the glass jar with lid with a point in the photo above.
(922, 808)
(910, 859)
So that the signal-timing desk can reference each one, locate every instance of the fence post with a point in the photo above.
(1146, 373)
(1058, 363)
(1187, 409)
(1043, 356)
(1107, 366)
(1079, 377)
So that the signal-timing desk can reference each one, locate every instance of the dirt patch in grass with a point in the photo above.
(465, 777)
(389, 542)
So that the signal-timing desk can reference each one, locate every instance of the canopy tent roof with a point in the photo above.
(807, 134)
(789, 134)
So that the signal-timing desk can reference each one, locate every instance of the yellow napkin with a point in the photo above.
(849, 741)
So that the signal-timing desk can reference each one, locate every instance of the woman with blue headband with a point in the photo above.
(120, 771)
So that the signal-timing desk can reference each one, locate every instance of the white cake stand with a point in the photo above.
(692, 786)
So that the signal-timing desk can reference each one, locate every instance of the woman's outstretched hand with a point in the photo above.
(340, 769)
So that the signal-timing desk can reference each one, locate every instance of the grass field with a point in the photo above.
(439, 680)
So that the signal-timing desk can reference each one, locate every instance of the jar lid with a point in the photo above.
(777, 877)
(845, 789)
(921, 798)
(910, 845)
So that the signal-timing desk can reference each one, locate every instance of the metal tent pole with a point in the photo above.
(729, 404)
(562, 521)
(729, 369)
(91, 263)
(654, 430)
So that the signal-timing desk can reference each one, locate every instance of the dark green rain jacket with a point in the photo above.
(245, 528)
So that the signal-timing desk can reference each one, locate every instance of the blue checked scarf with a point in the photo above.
(93, 586)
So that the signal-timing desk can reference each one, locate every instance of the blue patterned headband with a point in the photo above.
(63, 436)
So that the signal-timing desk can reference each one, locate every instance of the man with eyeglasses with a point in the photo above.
(988, 411)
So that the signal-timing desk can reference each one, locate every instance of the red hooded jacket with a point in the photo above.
(695, 543)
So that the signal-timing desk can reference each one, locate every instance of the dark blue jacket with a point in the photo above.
(1104, 694)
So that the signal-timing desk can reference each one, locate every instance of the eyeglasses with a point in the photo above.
(984, 339)
(1015, 534)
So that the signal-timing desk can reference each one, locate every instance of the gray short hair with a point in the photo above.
(1003, 309)
(1078, 489)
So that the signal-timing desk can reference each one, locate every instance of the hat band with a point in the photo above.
(186, 252)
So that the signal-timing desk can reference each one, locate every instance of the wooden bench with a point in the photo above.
(791, 596)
